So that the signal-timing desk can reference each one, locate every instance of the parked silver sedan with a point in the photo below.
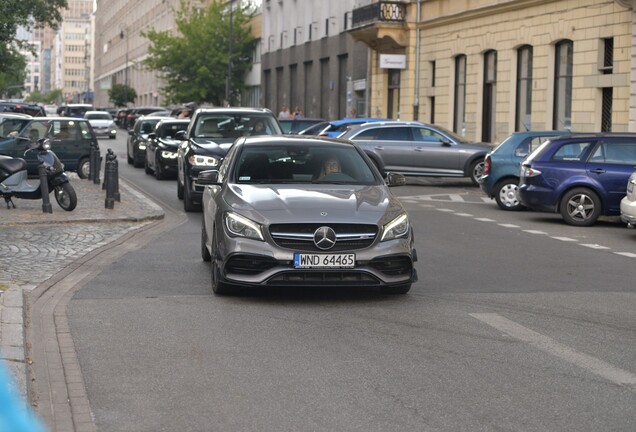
(288, 211)
(419, 149)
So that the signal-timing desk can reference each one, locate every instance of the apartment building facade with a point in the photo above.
(310, 61)
(485, 69)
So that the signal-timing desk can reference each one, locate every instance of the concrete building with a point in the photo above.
(309, 60)
(485, 69)
(120, 48)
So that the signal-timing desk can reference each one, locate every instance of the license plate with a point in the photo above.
(305, 260)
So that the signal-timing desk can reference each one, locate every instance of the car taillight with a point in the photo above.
(528, 171)
(487, 165)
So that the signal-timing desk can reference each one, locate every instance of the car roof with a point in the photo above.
(233, 110)
(357, 120)
(174, 120)
(15, 115)
(585, 135)
(293, 139)
(96, 112)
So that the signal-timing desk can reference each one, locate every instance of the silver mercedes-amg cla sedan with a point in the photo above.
(297, 211)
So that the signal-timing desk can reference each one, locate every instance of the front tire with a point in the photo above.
(65, 196)
(159, 174)
(507, 195)
(147, 168)
(83, 168)
(188, 203)
(476, 170)
(205, 253)
(580, 207)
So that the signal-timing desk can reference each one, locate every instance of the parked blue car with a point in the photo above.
(501, 166)
(581, 176)
(337, 127)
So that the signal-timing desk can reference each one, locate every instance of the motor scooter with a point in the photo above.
(13, 177)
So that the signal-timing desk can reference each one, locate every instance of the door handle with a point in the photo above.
(598, 171)
(379, 147)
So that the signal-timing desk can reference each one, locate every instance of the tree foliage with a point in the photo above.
(121, 94)
(194, 63)
(28, 14)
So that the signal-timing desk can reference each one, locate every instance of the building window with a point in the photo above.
(523, 110)
(490, 92)
(606, 114)
(562, 118)
(608, 56)
(459, 122)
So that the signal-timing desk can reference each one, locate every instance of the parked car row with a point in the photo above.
(582, 176)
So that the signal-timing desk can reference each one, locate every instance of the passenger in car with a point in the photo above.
(330, 166)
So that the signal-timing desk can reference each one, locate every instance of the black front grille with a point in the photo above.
(300, 237)
(249, 264)
(323, 278)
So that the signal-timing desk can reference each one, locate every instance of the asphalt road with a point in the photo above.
(518, 322)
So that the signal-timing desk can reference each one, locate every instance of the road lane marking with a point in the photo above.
(565, 239)
(549, 345)
(485, 220)
(594, 246)
(446, 210)
(626, 254)
(509, 225)
(536, 232)
(464, 214)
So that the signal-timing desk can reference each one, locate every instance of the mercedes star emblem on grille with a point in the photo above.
(324, 238)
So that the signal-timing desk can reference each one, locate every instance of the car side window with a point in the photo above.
(620, 153)
(426, 135)
(394, 134)
(572, 152)
(367, 134)
(86, 131)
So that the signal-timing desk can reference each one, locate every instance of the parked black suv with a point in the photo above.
(34, 110)
(210, 134)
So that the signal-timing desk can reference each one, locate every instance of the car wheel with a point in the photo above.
(179, 190)
(188, 204)
(205, 253)
(580, 207)
(507, 195)
(476, 171)
(129, 158)
(398, 289)
(83, 168)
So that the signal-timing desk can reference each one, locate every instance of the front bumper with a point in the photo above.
(251, 263)
(628, 211)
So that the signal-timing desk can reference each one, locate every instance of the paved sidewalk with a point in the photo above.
(35, 246)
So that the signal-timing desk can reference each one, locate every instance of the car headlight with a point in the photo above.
(142, 146)
(205, 161)
(397, 228)
(240, 226)
(168, 154)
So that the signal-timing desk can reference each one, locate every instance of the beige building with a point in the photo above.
(486, 69)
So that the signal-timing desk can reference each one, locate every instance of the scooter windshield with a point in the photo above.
(47, 158)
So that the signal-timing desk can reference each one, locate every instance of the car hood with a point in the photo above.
(481, 146)
(169, 143)
(314, 203)
(214, 146)
(100, 123)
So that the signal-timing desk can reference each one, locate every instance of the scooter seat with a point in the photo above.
(12, 165)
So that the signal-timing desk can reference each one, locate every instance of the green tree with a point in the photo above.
(121, 94)
(194, 63)
(28, 14)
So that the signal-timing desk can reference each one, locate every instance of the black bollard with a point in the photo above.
(116, 179)
(44, 189)
(109, 179)
(96, 162)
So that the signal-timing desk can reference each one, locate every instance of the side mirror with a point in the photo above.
(130, 131)
(152, 135)
(208, 177)
(395, 179)
(180, 135)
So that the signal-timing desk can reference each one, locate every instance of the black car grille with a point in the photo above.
(393, 265)
(323, 278)
(300, 237)
(249, 265)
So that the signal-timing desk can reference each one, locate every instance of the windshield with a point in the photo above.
(302, 163)
(235, 125)
(169, 130)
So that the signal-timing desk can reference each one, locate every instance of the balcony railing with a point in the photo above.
(382, 11)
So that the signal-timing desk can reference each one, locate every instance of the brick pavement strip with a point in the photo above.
(34, 248)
